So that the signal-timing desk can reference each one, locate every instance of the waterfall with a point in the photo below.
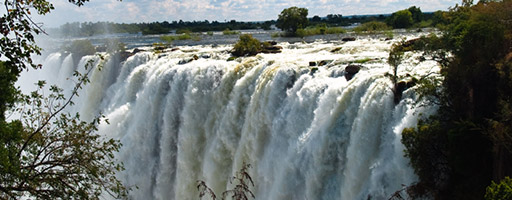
(308, 132)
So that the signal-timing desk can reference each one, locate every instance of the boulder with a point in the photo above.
(348, 39)
(136, 50)
(312, 63)
(351, 71)
(272, 49)
(272, 42)
(336, 49)
(313, 70)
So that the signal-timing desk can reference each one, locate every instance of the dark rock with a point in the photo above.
(324, 62)
(159, 48)
(351, 71)
(313, 70)
(124, 55)
(206, 56)
(270, 51)
(272, 42)
(274, 48)
(388, 39)
(401, 86)
(136, 50)
(312, 63)
(410, 43)
(185, 61)
(348, 39)
(175, 49)
(336, 49)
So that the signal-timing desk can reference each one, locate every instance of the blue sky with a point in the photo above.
(129, 11)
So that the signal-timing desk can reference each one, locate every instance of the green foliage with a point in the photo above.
(8, 92)
(372, 27)
(473, 122)
(42, 154)
(416, 14)
(183, 36)
(79, 49)
(501, 191)
(401, 19)
(292, 19)
(317, 30)
(47, 153)
(230, 32)
(247, 46)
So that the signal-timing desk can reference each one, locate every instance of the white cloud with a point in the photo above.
(241, 10)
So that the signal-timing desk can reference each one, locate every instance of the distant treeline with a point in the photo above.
(85, 29)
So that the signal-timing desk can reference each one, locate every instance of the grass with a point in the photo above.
(230, 32)
(184, 36)
(372, 27)
(362, 61)
(320, 30)
(310, 31)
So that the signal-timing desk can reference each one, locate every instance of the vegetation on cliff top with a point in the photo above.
(468, 144)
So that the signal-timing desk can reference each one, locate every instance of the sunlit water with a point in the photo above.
(306, 135)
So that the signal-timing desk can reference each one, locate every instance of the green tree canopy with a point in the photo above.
(293, 18)
(401, 19)
(457, 152)
(416, 13)
(46, 153)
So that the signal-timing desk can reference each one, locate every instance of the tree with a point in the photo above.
(472, 132)
(401, 19)
(293, 18)
(417, 15)
(46, 153)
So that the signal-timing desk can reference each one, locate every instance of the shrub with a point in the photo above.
(372, 26)
(501, 191)
(230, 32)
(247, 46)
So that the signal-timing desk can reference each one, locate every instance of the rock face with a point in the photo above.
(352, 70)
(401, 86)
(136, 50)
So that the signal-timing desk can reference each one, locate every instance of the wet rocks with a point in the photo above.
(348, 39)
(351, 71)
(270, 47)
(319, 63)
(185, 61)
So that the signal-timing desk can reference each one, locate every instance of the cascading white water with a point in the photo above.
(307, 135)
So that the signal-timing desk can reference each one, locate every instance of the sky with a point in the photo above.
(134, 11)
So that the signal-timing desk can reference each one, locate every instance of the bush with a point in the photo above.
(372, 26)
(79, 49)
(501, 191)
(185, 36)
(230, 32)
(247, 46)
